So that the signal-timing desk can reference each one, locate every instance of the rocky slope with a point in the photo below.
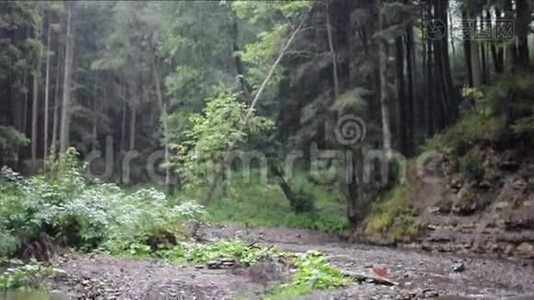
(482, 202)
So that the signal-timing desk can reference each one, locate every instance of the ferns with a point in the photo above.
(82, 214)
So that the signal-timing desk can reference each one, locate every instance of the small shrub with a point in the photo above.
(8, 244)
(19, 276)
(392, 218)
(236, 249)
(471, 165)
(313, 271)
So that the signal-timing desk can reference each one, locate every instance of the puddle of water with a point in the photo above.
(31, 295)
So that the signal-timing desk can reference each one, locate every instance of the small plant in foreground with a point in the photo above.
(313, 271)
(19, 276)
(242, 253)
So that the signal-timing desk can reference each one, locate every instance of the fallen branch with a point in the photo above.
(250, 110)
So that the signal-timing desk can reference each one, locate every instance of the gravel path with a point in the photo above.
(420, 275)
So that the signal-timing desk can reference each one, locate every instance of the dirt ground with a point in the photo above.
(420, 275)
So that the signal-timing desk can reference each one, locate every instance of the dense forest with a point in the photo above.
(376, 119)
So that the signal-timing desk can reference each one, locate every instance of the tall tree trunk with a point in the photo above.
(382, 93)
(509, 54)
(475, 62)
(451, 29)
(430, 92)
(523, 20)
(35, 117)
(67, 78)
(245, 87)
(332, 51)
(133, 117)
(411, 107)
(402, 135)
(483, 54)
(47, 89)
(123, 119)
(95, 124)
(169, 179)
(55, 122)
(496, 54)
(467, 49)
(26, 99)
(423, 101)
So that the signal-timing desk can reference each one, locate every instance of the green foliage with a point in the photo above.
(524, 125)
(271, 23)
(237, 250)
(471, 164)
(10, 140)
(391, 217)
(304, 198)
(472, 93)
(18, 276)
(259, 203)
(243, 253)
(471, 128)
(84, 214)
(221, 125)
(8, 244)
(313, 271)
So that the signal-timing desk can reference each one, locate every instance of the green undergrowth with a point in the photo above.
(469, 129)
(391, 217)
(15, 275)
(311, 270)
(62, 208)
(259, 203)
(237, 250)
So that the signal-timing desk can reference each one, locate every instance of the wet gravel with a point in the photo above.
(420, 275)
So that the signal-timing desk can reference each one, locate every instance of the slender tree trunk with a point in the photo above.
(401, 96)
(382, 93)
(133, 117)
(331, 48)
(35, 117)
(25, 84)
(55, 122)
(259, 92)
(423, 101)
(496, 54)
(510, 48)
(245, 87)
(47, 89)
(430, 92)
(523, 20)
(169, 179)
(67, 78)
(451, 29)
(412, 101)
(123, 120)
(95, 124)
(467, 50)
(475, 62)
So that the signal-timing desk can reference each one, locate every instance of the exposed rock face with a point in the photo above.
(490, 213)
